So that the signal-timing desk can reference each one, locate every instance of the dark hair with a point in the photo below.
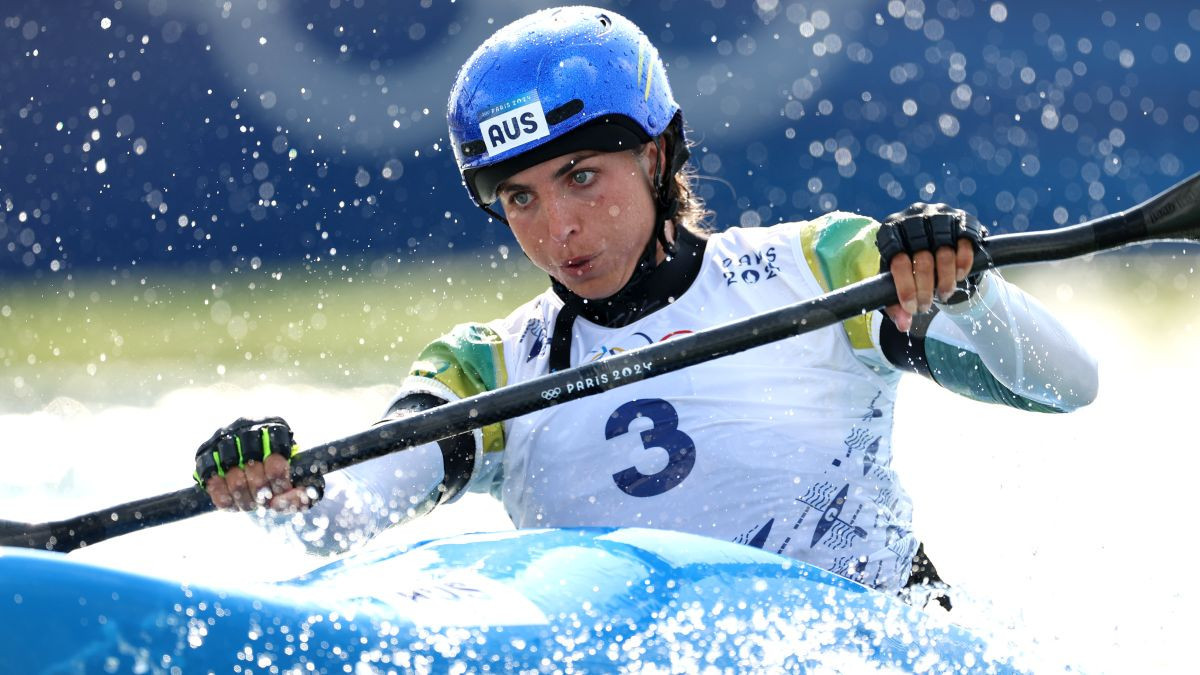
(692, 213)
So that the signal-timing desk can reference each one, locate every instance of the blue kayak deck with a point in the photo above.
(542, 600)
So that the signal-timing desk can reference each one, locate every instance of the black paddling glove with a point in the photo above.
(926, 227)
(243, 441)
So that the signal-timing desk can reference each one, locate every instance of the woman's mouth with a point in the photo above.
(578, 265)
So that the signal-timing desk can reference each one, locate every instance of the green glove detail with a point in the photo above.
(245, 440)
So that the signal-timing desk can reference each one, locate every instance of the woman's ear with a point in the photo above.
(654, 158)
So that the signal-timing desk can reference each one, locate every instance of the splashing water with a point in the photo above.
(1047, 526)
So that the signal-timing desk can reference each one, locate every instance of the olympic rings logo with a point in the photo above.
(551, 394)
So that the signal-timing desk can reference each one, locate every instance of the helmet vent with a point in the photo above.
(605, 23)
(473, 148)
(564, 111)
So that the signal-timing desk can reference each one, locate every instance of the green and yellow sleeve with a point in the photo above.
(840, 250)
(467, 361)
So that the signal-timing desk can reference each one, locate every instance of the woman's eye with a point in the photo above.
(521, 198)
(582, 177)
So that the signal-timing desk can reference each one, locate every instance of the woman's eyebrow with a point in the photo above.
(506, 187)
(566, 168)
(575, 159)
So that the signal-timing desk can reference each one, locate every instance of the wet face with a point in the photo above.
(585, 217)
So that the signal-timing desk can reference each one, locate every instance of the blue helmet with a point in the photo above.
(555, 82)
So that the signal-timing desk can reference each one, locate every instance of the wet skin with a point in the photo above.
(584, 218)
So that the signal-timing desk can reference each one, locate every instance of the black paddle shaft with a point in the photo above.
(1172, 215)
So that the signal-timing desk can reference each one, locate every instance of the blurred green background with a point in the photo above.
(127, 339)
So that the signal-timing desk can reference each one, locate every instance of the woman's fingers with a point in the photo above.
(923, 273)
(906, 288)
(946, 272)
(293, 500)
(278, 473)
(964, 259)
(256, 483)
(219, 493)
(924, 276)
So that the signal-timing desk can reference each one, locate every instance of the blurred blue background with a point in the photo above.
(211, 135)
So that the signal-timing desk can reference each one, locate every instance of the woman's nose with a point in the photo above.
(562, 219)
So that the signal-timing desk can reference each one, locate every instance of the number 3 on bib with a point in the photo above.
(665, 434)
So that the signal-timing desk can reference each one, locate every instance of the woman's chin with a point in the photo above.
(590, 289)
(590, 294)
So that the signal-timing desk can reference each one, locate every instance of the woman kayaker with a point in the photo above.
(564, 127)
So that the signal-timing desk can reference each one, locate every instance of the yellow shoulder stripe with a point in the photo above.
(840, 250)
(468, 361)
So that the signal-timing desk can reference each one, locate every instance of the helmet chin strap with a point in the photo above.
(666, 202)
